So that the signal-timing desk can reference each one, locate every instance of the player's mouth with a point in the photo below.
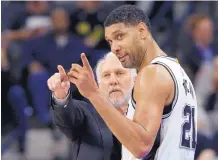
(122, 58)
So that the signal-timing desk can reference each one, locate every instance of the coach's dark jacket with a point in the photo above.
(92, 139)
(80, 122)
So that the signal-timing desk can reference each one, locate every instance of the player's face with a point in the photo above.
(116, 82)
(125, 42)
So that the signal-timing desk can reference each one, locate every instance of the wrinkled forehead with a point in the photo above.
(111, 64)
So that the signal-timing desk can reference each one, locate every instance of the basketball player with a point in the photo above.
(161, 118)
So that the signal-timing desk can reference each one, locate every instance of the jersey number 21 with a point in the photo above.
(188, 137)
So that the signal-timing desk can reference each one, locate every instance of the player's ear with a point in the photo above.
(143, 30)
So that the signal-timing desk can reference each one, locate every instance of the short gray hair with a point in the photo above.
(100, 62)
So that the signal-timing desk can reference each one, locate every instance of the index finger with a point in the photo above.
(85, 62)
(62, 72)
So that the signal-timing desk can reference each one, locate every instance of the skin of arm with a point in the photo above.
(152, 90)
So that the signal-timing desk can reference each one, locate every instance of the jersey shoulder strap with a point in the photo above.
(168, 63)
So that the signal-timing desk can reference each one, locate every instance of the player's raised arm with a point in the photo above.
(153, 90)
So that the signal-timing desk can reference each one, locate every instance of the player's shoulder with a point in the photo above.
(154, 71)
(154, 76)
(153, 79)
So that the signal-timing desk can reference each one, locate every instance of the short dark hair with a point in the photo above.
(127, 14)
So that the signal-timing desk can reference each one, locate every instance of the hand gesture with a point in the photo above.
(83, 77)
(59, 83)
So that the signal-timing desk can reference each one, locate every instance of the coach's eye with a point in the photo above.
(107, 75)
(120, 73)
(120, 36)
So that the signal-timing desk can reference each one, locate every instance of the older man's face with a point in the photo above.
(115, 81)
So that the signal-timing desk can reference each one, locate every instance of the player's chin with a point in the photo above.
(126, 64)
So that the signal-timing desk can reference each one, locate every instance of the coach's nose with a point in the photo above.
(113, 80)
(115, 48)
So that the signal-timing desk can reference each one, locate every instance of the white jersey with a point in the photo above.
(177, 136)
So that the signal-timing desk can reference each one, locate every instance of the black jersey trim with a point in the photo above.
(168, 109)
(151, 155)
(133, 100)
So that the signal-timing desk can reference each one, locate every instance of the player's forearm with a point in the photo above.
(128, 132)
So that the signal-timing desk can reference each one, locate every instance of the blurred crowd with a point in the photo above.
(39, 35)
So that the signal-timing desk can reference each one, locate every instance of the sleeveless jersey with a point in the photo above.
(177, 135)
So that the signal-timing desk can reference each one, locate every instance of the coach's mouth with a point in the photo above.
(114, 91)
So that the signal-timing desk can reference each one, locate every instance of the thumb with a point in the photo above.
(65, 84)
(62, 72)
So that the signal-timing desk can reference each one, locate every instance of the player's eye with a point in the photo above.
(120, 36)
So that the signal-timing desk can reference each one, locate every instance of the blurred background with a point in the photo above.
(36, 36)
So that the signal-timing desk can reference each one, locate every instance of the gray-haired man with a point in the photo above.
(80, 122)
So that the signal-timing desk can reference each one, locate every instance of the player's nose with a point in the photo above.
(115, 48)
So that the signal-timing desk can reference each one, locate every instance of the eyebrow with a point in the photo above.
(116, 70)
(115, 32)
(107, 71)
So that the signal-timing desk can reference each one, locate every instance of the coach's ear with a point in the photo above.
(143, 30)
